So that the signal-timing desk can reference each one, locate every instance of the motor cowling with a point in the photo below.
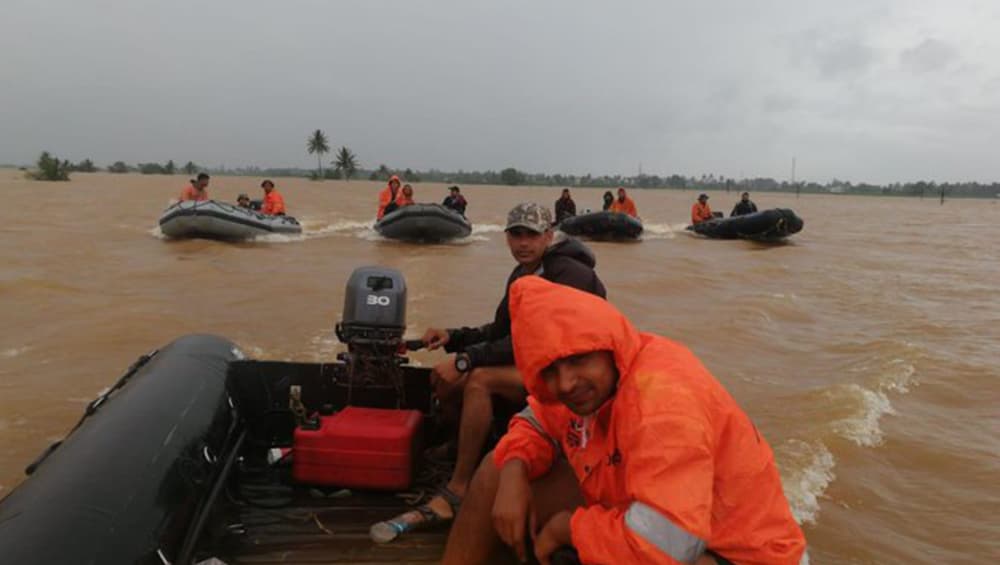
(374, 307)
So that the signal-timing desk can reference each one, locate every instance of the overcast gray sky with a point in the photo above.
(861, 90)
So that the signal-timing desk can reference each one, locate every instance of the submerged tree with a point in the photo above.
(346, 162)
(318, 144)
(118, 167)
(51, 168)
(86, 166)
(190, 168)
(170, 168)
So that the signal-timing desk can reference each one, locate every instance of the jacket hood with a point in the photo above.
(550, 321)
(572, 248)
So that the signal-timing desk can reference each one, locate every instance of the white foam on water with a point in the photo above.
(14, 352)
(807, 471)
(157, 233)
(862, 426)
(479, 229)
(661, 231)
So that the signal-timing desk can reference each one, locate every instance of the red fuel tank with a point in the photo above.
(359, 447)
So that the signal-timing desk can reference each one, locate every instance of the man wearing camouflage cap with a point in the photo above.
(481, 366)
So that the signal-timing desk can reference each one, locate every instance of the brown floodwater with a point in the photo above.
(867, 349)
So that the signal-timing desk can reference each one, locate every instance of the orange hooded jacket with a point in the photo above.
(669, 466)
(700, 213)
(273, 204)
(385, 197)
(627, 207)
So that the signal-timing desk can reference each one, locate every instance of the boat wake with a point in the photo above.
(653, 231)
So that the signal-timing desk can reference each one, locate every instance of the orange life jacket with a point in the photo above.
(273, 204)
(700, 213)
(191, 193)
(669, 466)
(627, 207)
(385, 197)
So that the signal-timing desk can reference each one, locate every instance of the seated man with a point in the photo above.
(744, 206)
(274, 203)
(406, 199)
(455, 200)
(624, 205)
(484, 363)
(700, 211)
(243, 200)
(388, 199)
(565, 207)
(665, 466)
(196, 190)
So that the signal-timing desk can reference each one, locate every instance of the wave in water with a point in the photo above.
(652, 231)
(867, 405)
(14, 352)
(807, 471)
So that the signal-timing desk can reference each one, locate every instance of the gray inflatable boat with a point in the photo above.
(423, 222)
(218, 220)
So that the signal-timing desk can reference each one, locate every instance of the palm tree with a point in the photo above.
(347, 162)
(317, 144)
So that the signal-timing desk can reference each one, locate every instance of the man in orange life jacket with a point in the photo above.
(389, 198)
(274, 204)
(196, 190)
(700, 211)
(629, 451)
(624, 205)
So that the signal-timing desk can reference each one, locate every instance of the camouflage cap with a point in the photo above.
(529, 215)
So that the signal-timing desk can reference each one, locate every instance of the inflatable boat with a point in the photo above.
(198, 453)
(424, 222)
(602, 225)
(769, 225)
(218, 220)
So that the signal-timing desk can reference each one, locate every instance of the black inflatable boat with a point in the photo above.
(769, 225)
(602, 225)
(129, 482)
(424, 222)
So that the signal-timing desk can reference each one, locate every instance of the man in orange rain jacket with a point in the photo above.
(389, 197)
(668, 468)
(700, 211)
(624, 204)
(274, 203)
(196, 190)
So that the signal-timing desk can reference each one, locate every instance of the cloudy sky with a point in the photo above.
(861, 90)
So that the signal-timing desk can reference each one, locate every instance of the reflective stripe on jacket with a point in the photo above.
(669, 466)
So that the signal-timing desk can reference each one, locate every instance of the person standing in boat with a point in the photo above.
(609, 200)
(455, 200)
(744, 206)
(624, 205)
(701, 211)
(481, 365)
(197, 189)
(629, 451)
(406, 198)
(274, 203)
(565, 207)
(388, 198)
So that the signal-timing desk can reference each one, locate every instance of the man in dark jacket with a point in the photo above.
(565, 207)
(455, 200)
(482, 364)
(744, 206)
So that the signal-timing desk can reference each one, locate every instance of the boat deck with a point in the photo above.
(311, 529)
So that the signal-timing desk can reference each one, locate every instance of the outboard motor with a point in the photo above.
(374, 320)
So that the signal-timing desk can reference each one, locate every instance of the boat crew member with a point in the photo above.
(623, 204)
(243, 200)
(388, 198)
(455, 200)
(700, 211)
(274, 203)
(406, 198)
(609, 199)
(565, 207)
(629, 451)
(744, 206)
(197, 189)
(481, 366)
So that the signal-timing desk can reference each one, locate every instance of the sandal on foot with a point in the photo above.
(384, 532)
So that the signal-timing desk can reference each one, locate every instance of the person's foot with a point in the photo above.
(441, 509)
